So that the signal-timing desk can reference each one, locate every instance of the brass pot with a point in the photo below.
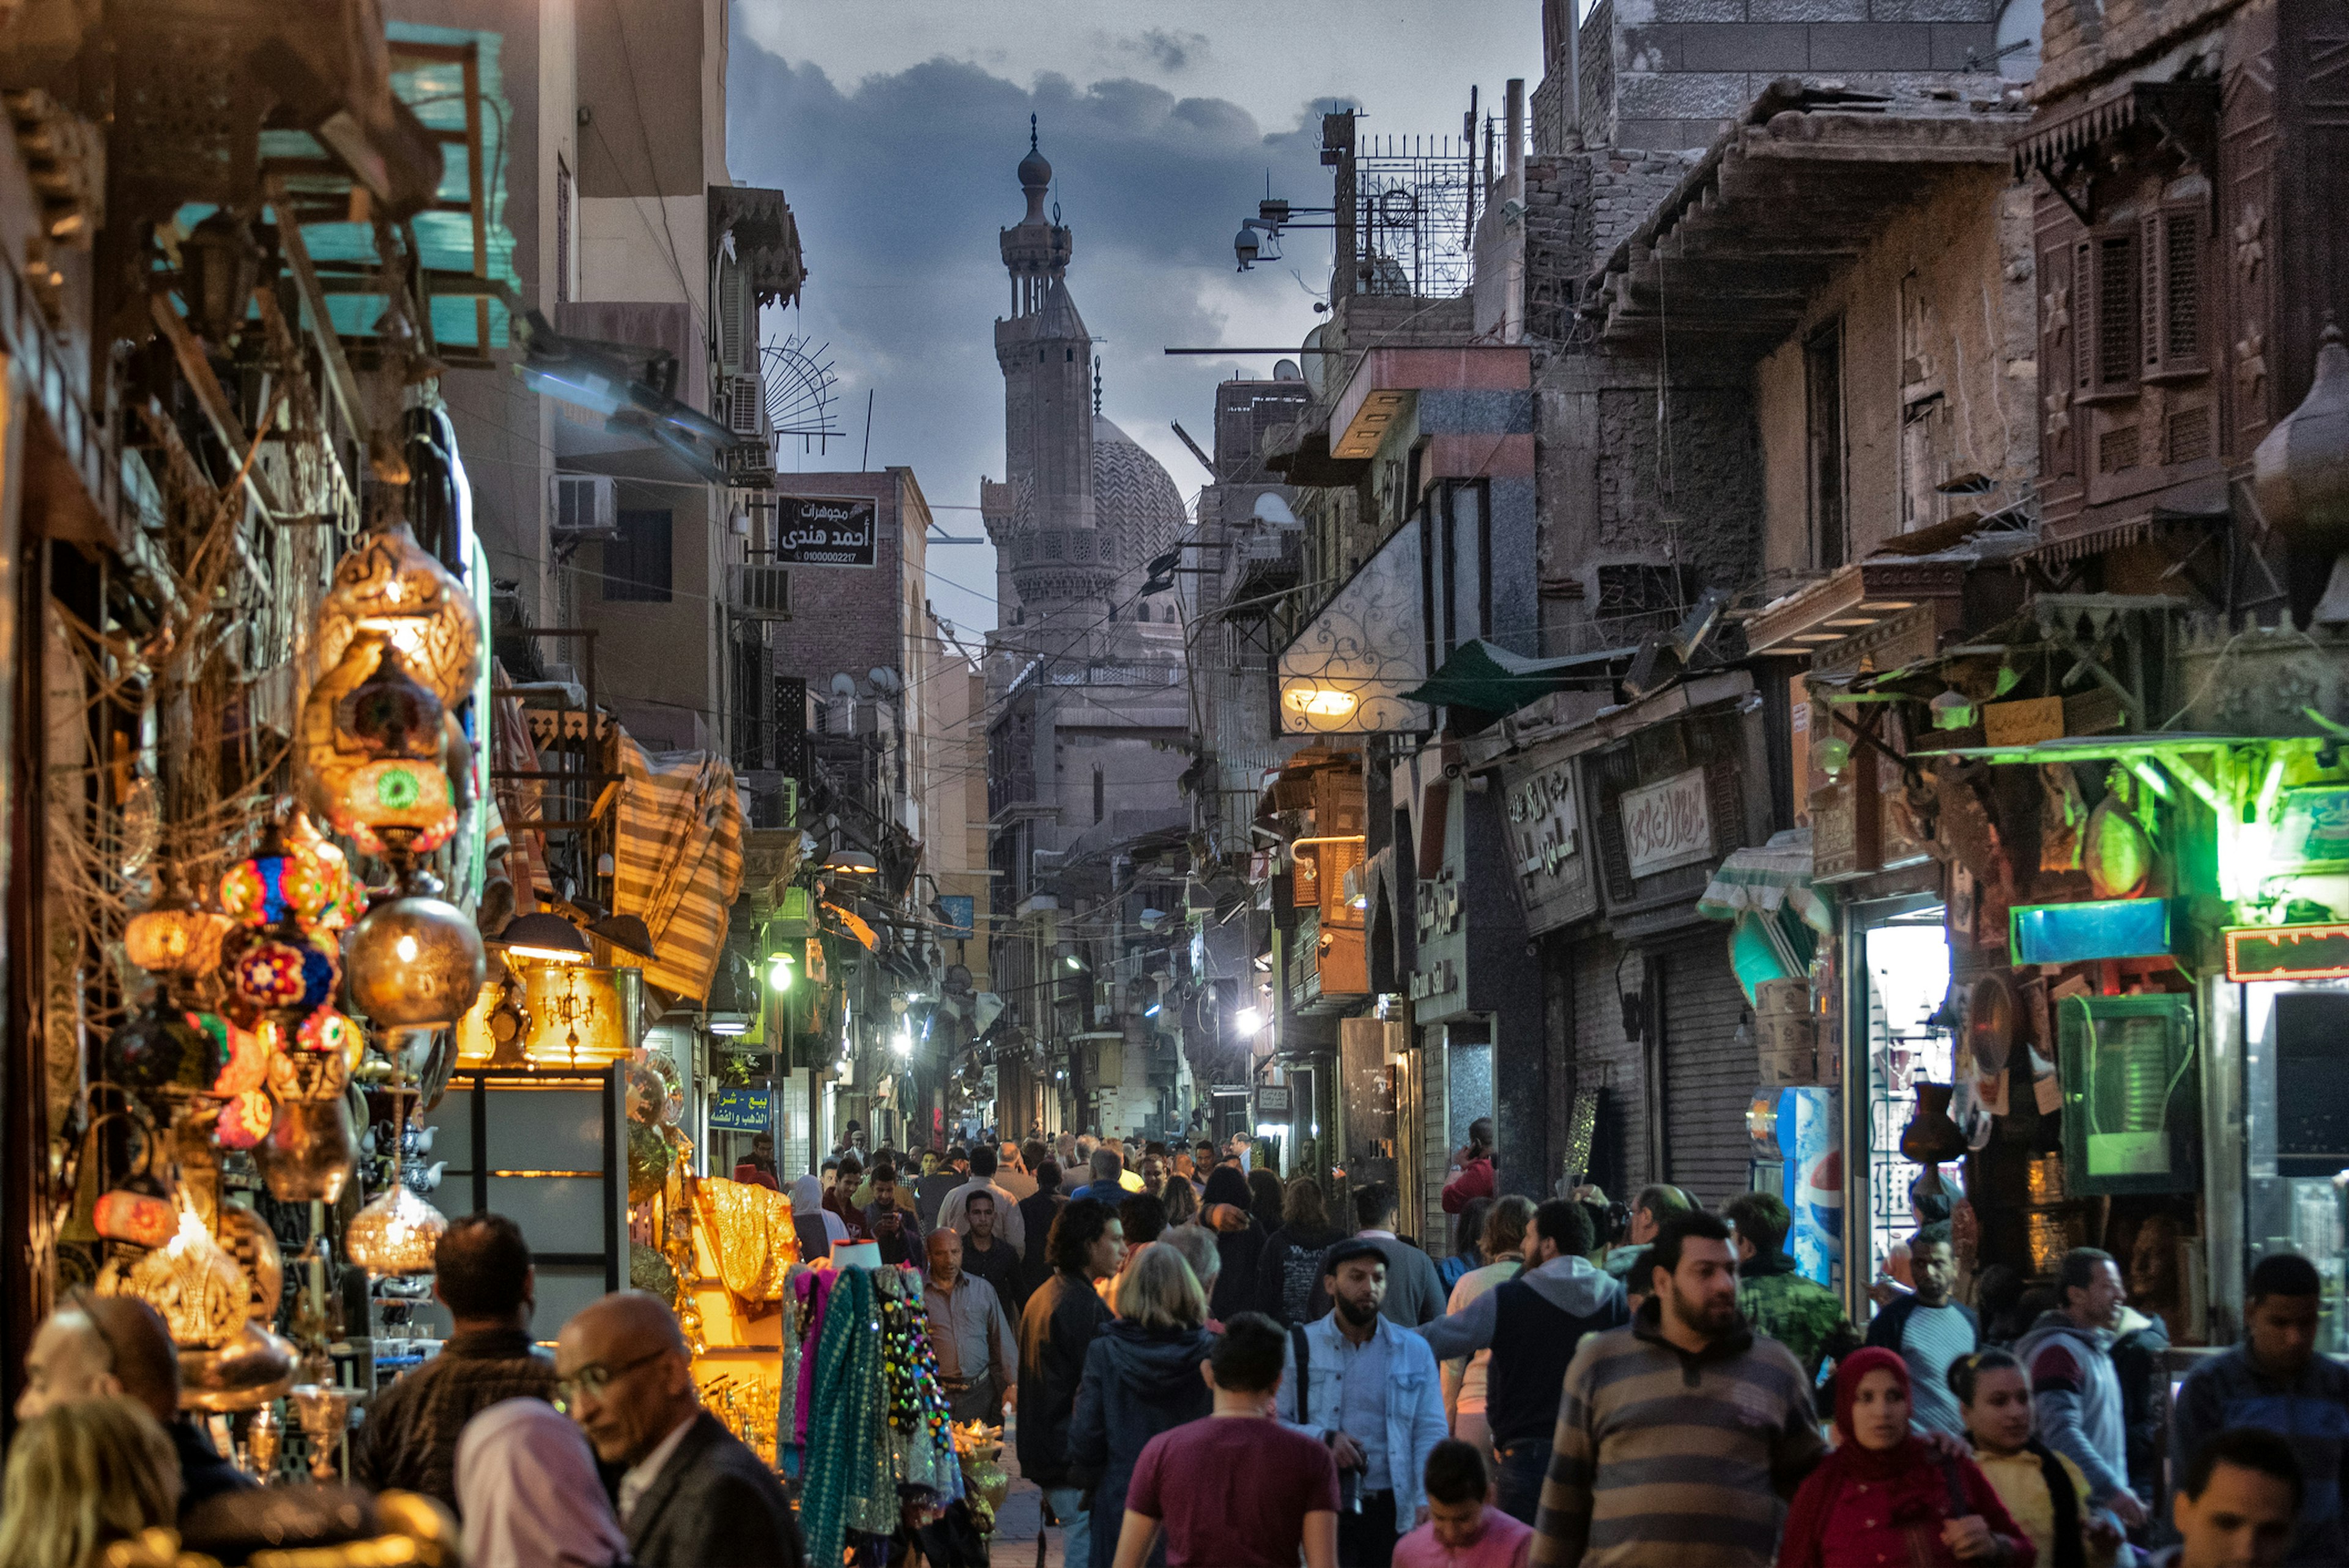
(248, 1372)
(310, 1150)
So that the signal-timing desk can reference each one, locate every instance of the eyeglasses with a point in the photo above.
(595, 1377)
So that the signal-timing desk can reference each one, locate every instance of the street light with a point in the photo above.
(1247, 1020)
(779, 972)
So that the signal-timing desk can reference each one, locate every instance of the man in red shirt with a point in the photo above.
(1237, 1490)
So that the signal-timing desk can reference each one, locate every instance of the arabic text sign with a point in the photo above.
(1668, 824)
(826, 530)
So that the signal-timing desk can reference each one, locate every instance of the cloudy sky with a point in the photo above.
(894, 127)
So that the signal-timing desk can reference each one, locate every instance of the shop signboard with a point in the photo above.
(1668, 824)
(2288, 952)
(742, 1111)
(827, 530)
(1272, 1101)
(960, 912)
(1542, 806)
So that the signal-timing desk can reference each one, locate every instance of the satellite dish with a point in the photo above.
(884, 681)
(843, 684)
(1288, 370)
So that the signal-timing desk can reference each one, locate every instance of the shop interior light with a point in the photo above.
(1150, 1011)
(548, 937)
(629, 933)
(1247, 1020)
(1321, 702)
(901, 1042)
(779, 972)
(851, 860)
(728, 1025)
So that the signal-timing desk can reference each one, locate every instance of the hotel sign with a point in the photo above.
(1668, 824)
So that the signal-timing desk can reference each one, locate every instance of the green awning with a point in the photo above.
(1480, 682)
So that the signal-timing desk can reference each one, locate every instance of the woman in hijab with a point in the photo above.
(1223, 1209)
(1882, 1495)
(820, 1229)
(526, 1484)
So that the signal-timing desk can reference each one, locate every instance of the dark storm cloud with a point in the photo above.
(901, 182)
(1167, 50)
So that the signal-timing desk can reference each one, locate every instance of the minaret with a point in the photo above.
(1042, 520)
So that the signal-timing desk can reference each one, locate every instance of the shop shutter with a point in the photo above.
(1709, 1075)
(1434, 1143)
(1603, 1059)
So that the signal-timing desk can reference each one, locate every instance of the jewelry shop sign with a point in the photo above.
(827, 530)
(1541, 801)
(1668, 824)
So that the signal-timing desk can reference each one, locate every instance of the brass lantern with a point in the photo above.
(309, 1151)
(191, 1282)
(416, 963)
(396, 1234)
(391, 584)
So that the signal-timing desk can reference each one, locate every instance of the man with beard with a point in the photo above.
(1702, 1428)
(1371, 1391)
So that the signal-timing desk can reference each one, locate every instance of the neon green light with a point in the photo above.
(2150, 777)
(2273, 786)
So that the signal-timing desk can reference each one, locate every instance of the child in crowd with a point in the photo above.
(1462, 1531)
(2044, 1490)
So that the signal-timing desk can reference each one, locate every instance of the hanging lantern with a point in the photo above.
(334, 870)
(245, 1119)
(390, 713)
(310, 1150)
(392, 585)
(306, 1075)
(396, 809)
(191, 1283)
(220, 268)
(242, 1052)
(328, 1033)
(253, 1369)
(276, 884)
(396, 1234)
(160, 1053)
(280, 968)
(417, 961)
(175, 937)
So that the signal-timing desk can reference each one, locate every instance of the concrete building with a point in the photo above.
(1088, 712)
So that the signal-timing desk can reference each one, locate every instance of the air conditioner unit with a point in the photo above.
(745, 406)
(585, 506)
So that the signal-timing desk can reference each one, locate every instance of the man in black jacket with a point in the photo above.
(1037, 1211)
(1058, 1328)
(693, 1495)
(484, 1277)
(1532, 1325)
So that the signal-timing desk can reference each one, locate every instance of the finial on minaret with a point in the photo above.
(1096, 388)
(1031, 133)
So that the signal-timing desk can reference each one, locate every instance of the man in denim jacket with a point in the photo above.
(1372, 1392)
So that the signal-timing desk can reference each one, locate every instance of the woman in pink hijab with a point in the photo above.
(527, 1487)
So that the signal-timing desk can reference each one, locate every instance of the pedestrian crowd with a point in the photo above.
(1207, 1371)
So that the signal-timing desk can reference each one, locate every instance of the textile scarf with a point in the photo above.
(851, 1484)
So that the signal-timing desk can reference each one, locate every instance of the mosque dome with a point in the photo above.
(1134, 498)
(1035, 170)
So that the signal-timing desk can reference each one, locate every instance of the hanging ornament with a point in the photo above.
(391, 584)
(280, 968)
(381, 754)
(275, 885)
(348, 898)
(161, 1053)
(243, 1054)
(245, 1119)
(176, 937)
(396, 1234)
(2119, 855)
(309, 1151)
(328, 1033)
(416, 963)
(394, 809)
(191, 1282)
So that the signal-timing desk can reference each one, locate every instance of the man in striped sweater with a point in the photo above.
(1680, 1436)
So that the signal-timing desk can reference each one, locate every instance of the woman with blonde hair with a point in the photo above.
(1182, 1201)
(81, 1475)
(1142, 1377)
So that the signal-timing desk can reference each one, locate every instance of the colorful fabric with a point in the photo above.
(851, 1484)
(678, 859)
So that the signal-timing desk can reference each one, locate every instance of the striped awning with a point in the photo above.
(678, 859)
(1764, 880)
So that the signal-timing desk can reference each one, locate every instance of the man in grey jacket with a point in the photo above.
(1532, 1325)
(1415, 1293)
(2075, 1393)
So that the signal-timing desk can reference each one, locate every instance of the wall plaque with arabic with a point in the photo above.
(827, 530)
(1541, 804)
(1668, 824)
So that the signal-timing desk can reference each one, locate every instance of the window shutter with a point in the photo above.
(2182, 287)
(2150, 332)
(729, 313)
(2084, 317)
(2117, 311)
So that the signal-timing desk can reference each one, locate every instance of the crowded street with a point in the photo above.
(1073, 784)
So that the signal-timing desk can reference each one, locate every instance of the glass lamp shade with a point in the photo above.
(275, 885)
(192, 1283)
(245, 1119)
(392, 585)
(390, 713)
(305, 1074)
(253, 1369)
(396, 1234)
(348, 900)
(159, 1052)
(401, 805)
(174, 939)
(328, 1033)
(280, 968)
(244, 1058)
(579, 1016)
(310, 1150)
(416, 963)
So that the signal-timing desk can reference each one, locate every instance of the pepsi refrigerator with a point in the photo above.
(1798, 1158)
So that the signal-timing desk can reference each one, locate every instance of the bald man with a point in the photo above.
(693, 1495)
(105, 1346)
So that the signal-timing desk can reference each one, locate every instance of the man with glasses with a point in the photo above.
(693, 1495)
(484, 1277)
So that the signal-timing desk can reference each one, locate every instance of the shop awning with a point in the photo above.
(1491, 681)
(1766, 894)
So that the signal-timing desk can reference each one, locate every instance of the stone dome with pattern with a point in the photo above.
(1136, 503)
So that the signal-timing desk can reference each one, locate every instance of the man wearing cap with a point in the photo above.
(1369, 1389)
